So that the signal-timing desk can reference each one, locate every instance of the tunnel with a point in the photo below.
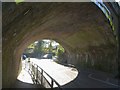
(81, 28)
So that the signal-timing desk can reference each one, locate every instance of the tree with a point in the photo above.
(50, 46)
(39, 47)
(60, 50)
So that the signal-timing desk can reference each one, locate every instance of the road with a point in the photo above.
(69, 77)
(60, 73)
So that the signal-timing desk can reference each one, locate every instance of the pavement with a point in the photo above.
(76, 78)
(70, 77)
(60, 73)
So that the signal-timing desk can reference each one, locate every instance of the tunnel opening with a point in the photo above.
(44, 63)
(44, 49)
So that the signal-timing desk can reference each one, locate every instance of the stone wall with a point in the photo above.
(101, 58)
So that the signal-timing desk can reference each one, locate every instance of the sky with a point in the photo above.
(53, 44)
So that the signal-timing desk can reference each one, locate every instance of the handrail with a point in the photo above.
(36, 78)
(50, 77)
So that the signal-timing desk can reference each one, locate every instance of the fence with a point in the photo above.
(39, 76)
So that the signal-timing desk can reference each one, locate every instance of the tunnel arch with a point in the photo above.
(22, 47)
(77, 26)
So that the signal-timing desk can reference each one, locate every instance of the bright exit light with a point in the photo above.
(25, 77)
(117, 0)
(46, 58)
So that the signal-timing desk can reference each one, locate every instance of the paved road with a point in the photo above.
(60, 73)
(69, 77)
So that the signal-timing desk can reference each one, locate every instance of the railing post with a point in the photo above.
(41, 76)
(51, 83)
(25, 64)
(28, 66)
(37, 74)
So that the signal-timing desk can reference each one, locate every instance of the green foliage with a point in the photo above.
(31, 45)
(30, 48)
(18, 1)
(50, 46)
(60, 50)
(35, 47)
(39, 47)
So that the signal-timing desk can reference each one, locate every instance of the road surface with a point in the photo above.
(69, 77)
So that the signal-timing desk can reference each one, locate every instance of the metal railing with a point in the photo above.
(39, 76)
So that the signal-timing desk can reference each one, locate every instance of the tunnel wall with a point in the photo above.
(95, 58)
(81, 28)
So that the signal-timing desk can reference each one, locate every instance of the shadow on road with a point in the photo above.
(84, 80)
(20, 84)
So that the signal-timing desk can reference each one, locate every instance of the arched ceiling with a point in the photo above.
(76, 26)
